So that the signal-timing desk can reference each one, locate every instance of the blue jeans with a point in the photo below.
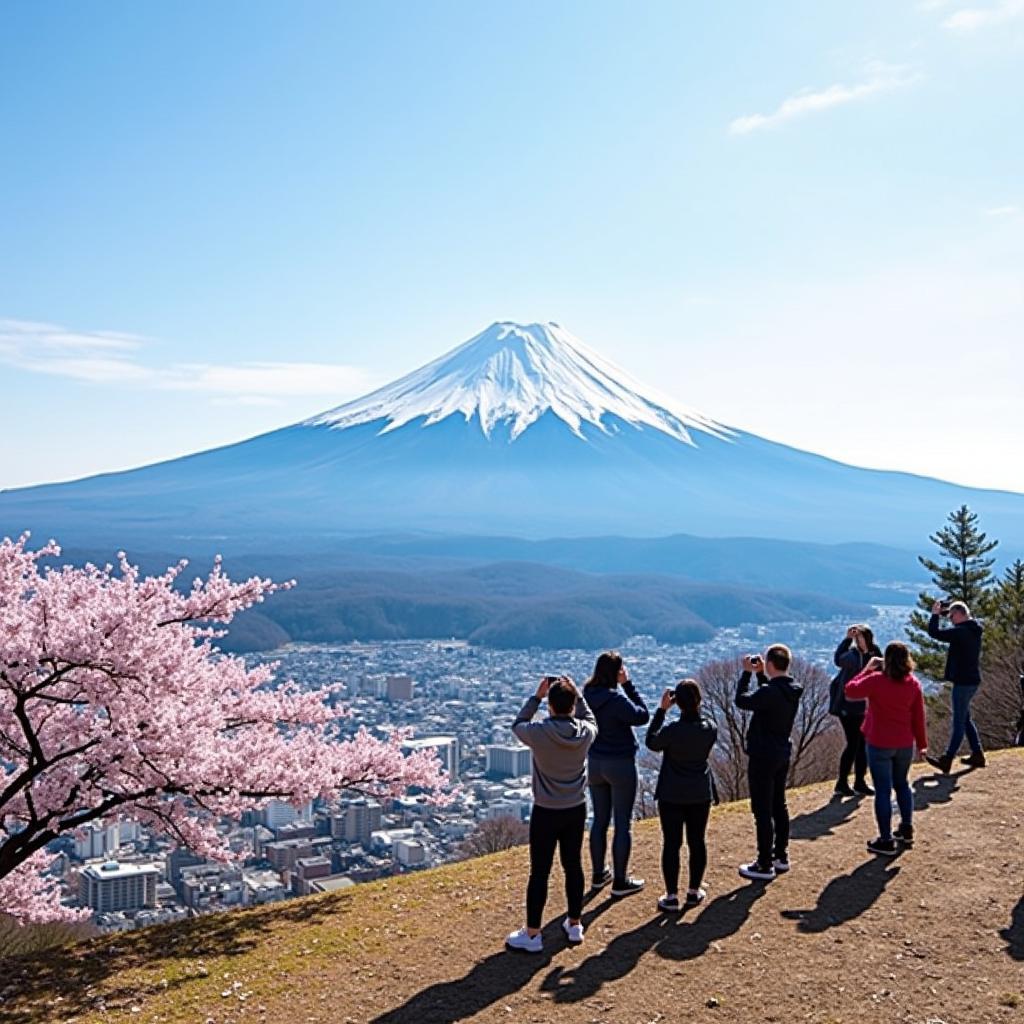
(890, 767)
(962, 721)
(612, 782)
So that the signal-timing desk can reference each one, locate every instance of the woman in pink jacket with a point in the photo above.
(893, 724)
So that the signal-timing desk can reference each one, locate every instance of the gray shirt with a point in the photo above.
(559, 747)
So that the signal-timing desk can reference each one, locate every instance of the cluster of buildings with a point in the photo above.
(459, 700)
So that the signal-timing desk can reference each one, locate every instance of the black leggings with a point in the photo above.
(854, 754)
(674, 818)
(548, 829)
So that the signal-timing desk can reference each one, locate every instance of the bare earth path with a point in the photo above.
(934, 936)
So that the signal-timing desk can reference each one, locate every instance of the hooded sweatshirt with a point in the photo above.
(559, 747)
(774, 704)
(963, 660)
(617, 712)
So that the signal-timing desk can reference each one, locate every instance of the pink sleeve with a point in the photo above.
(859, 687)
(917, 720)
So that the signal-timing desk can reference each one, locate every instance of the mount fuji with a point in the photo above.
(523, 431)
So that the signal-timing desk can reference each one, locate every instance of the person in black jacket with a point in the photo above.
(611, 770)
(774, 705)
(853, 653)
(963, 670)
(685, 789)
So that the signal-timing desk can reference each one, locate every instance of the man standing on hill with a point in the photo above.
(774, 704)
(559, 816)
(963, 670)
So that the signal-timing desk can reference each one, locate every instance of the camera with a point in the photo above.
(551, 679)
(944, 607)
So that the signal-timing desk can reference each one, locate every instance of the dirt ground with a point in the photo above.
(935, 936)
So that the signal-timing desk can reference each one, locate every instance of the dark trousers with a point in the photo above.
(674, 819)
(612, 782)
(550, 829)
(767, 779)
(854, 755)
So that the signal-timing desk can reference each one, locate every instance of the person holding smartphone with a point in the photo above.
(685, 789)
(852, 654)
(558, 819)
(774, 705)
(894, 722)
(612, 774)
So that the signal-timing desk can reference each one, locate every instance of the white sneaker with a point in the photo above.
(573, 932)
(522, 942)
(781, 866)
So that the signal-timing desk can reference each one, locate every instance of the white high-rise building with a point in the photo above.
(447, 748)
(277, 814)
(111, 886)
(506, 761)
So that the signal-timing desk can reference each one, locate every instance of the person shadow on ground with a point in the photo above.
(1014, 934)
(825, 820)
(494, 978)
(847, 896)
(936, 789)
(671, 936)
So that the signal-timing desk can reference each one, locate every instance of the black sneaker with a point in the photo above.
(861, 786)
(943, 764)
(600, 881)
(883, 847)
(904, 834)
(669, 904)
(630, 887)
(974, 760)
(781, 864)
(843, 789)
(758, 871)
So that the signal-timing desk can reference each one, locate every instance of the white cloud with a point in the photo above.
(1003, 211)
(970, 19)
(880, 78)
(110, 357)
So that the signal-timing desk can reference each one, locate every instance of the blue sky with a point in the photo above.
(806, 219)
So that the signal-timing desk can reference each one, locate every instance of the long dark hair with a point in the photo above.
(606, 671)
(898, 662)
(871, 649)
(687, 699)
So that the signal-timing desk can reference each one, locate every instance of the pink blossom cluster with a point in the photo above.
(115, 700)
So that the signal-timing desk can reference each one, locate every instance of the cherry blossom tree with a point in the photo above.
(115, 701)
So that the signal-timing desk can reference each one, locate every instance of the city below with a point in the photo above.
(459, 700)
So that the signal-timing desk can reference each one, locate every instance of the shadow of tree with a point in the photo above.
(846, 897)
(1014, 933)
(825, 820)
(671, 937)
(71, 972)
(493, 978)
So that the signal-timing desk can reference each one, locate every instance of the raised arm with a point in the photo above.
(656, 738)
(752, 700)
(937, 633)
(634, 710)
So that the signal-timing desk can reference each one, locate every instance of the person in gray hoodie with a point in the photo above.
(559, 745)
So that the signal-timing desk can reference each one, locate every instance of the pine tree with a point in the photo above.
(964, 574)
(1005, 626)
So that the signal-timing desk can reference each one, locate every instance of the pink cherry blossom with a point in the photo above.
(115, 700)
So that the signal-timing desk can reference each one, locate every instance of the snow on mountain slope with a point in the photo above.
(513, 374)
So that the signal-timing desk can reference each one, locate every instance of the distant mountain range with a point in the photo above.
(520, 446)
(522, 430)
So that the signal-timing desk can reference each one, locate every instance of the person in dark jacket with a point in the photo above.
(774, 704)
(611, 770)
(963, 670)
(853, 653)
(685, 789)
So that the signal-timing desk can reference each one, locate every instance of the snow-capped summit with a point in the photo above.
(513, 374)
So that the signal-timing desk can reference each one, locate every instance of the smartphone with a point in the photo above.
(551, 679)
